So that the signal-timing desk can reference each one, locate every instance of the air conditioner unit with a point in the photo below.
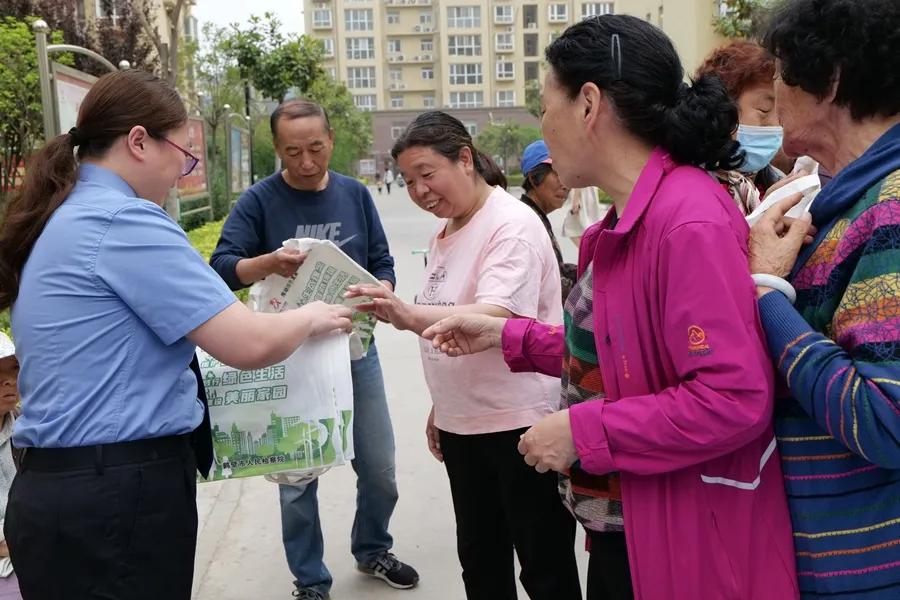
(392, 86)
(417, 28)
(426, 29)
(401, 86)
(532, 26)
(401, 58)
(510, 29)
(426, 57)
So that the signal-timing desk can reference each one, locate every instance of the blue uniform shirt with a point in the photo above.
(106, 298)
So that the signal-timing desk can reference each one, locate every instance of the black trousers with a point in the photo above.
(609, 577)
(105, 532)
(502, 504)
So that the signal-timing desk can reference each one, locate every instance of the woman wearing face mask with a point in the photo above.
(665, 373)
(489, 255)
(544, 193)
(109, 302)
(747, 71)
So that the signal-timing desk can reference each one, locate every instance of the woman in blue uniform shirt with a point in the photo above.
(109, 302)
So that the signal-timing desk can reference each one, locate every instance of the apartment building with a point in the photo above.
(472, 58)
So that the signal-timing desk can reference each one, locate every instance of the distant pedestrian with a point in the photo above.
(388, 178)
(378, 183)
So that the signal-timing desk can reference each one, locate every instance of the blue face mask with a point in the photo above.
(761, 145)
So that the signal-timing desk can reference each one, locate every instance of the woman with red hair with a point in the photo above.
(748, 71)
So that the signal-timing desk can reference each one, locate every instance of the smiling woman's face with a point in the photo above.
(437, 184)
(9, 390)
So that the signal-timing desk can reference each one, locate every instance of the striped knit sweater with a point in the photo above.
(838, 349)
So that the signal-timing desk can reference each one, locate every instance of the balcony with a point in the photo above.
(395, 29)
(411, 58)
(321, 25)
(412, 3)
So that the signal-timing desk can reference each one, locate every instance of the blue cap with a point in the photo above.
(535, 154)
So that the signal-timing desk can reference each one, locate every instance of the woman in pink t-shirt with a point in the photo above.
(490, 255)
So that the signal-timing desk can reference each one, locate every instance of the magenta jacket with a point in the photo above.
(682, 351)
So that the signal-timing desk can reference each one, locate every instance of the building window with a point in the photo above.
(503, 13)
(531, 71)
(428, 101)
(427, 45)
(397, 131)
(466, 99)
(464, 16)
(472, 128)
(530, 16)
(464, 45)
(531, 44)
(328, 45)
(332, 72)
(395, 74)
(506, 98)
(396, 101)
(593, 9)
(360, 48)
(393, 17)
(360, 77)
(506, 70)
(112, 14)
(551, 37)
(426, 17)
(427, 72)
(465, 74)
(365, 102)
(358, 19)
(558, 13)
(322, 18)
(394, 47)
(503, 42)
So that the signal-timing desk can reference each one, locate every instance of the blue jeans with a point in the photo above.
(376, 487)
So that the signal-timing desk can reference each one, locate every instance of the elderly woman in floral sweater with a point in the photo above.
(834, 331)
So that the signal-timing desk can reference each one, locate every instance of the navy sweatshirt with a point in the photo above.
(271, 211)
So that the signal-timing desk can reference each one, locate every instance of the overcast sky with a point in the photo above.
(225, 12)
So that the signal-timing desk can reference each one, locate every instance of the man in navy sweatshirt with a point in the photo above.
(307, 200)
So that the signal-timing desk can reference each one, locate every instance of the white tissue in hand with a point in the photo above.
(809, 186)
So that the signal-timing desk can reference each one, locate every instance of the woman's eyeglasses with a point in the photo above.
(190, 161)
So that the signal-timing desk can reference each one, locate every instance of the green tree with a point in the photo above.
(352, 127)
(506, 140)
(21, 120)
(533, 97)
(274, 62)
(739, 18)
(218, 83)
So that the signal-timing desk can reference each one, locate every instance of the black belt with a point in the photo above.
(105, 455)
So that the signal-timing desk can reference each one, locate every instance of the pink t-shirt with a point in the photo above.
(503, 257)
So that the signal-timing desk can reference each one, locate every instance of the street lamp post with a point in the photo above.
(228, 116)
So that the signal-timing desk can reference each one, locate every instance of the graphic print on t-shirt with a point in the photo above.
(323, 231)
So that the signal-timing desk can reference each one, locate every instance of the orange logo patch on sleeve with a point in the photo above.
(697, 345)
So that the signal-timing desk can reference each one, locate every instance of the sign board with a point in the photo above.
(196, 182)
(367, 167)
(70, 86)
(240, 159)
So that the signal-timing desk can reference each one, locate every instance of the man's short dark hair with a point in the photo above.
(297, 108)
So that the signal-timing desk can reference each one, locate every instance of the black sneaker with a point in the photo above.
(396, 574)
(309, 594)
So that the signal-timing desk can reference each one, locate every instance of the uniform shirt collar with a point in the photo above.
(100, 175)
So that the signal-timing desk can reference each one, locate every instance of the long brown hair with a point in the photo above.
(115, 104)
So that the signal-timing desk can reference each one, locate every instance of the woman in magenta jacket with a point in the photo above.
(663, 327)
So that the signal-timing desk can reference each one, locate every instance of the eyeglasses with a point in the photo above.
(190, 161)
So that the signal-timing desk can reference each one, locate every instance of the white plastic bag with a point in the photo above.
(808, 185)
(295, 416)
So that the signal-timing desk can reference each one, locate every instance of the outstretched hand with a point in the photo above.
(466, 334)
